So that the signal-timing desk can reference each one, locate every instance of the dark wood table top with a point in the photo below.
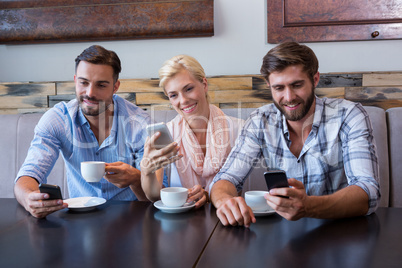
(116, 234)
(372, 241)
(136, 234)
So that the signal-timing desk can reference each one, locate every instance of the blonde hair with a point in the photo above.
(181, 62)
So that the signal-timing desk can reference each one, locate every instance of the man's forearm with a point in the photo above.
(221, 191)
(23, 187)
(348, 202)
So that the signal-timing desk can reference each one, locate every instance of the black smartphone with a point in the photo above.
(276, 179)
(53, 191)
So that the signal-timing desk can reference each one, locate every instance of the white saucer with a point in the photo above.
(187, 206)
(264, 213)
(84, 203)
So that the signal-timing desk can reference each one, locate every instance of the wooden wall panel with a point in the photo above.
(382, 79)
(64, 88)
(139, 85)
(53, 100)
(126, 85)
(337, 92)
(248, 91)
(374, 94)
(242, 105)
(233, 96)
(230, 83)
(152, 98)
(25, 95)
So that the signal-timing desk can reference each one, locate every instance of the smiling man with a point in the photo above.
(325, 146)
(97, 126)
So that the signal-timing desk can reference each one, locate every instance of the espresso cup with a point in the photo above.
(256, 200)
(92, 171)
(174, 196)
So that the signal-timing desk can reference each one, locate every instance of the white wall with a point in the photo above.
(239, 43)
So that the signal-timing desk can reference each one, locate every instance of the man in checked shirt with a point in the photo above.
(326, 147)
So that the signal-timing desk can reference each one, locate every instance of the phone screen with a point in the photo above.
(164, 139)
(276, 179)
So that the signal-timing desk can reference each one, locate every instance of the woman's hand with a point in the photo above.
(199, 195)
(152, 163)
(155, 159)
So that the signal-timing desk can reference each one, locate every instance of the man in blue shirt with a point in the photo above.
(97, 126)
(326, 147)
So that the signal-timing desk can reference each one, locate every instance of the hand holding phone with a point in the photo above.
(276, 179)
(164, 139)
(53, 191)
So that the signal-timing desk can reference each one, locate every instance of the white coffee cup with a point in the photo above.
(92, 171)
(174, 196)
(256, 200)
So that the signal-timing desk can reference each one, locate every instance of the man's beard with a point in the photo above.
(299, 113)
(92, 111)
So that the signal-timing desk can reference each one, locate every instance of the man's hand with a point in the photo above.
(39, 207)
(122, 175)
(292, 208)
(26, 191)
(350, 201)
(230, 208)
(234, 211)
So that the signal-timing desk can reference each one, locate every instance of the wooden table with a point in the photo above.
(117, 234)
(372, 241)
(136, 234)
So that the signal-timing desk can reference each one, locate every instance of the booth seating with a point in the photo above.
(17, 133)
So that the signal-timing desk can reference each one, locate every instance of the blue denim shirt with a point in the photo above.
(65, 129)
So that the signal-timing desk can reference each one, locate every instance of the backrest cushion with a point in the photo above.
(15, 139)
(394, 121)
(8, 155)
(380, 132)
(18, 132)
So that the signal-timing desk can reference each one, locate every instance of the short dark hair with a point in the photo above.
(99, 55)
(287, 54)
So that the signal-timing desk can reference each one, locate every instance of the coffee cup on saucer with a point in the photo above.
(174, 196)
(92, 171)
(256, 200)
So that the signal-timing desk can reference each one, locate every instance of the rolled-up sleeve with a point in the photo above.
(359, 154)
(44, 149)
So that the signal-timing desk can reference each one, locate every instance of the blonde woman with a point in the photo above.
(203, 135)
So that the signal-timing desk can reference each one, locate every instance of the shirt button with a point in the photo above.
(298, 161)
(97, 153)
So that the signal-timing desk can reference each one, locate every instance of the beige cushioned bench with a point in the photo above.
(17, 133)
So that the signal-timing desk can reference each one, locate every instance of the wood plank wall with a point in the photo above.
(377, 89)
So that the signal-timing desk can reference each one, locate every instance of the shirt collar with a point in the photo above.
(319, 107)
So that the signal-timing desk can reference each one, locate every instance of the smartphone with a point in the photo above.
(276, 179)
(53, 191)
(164, 139)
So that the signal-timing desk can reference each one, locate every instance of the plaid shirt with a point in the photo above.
(339, 150)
